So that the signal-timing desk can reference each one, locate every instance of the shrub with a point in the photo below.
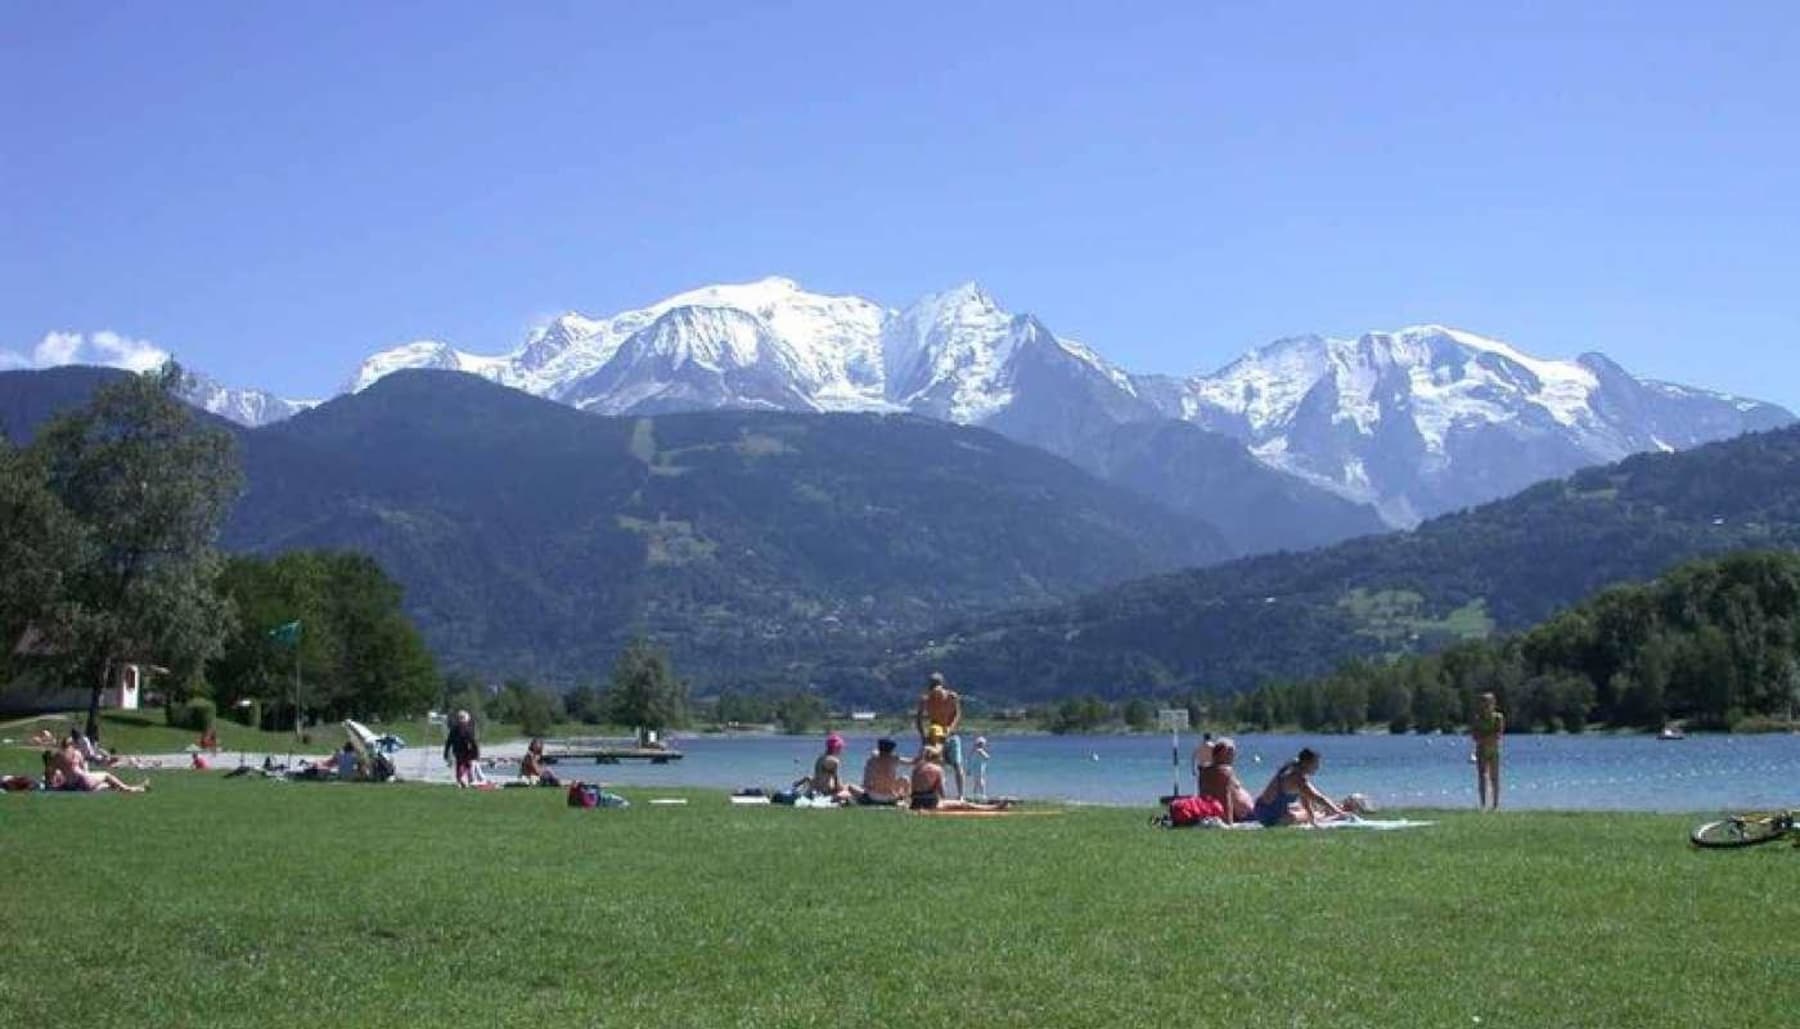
(202, 714)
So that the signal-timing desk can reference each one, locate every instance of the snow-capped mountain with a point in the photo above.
(950, 356)
(247, 407)
(1430, 419)
(1415, 422)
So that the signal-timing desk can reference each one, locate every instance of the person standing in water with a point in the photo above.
(1485, 729)
(940, 709)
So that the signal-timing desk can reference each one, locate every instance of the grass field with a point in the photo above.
(245, 902)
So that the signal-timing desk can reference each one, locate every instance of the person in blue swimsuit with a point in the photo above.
(1291, 798)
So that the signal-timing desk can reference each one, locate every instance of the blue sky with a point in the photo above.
(272, 191)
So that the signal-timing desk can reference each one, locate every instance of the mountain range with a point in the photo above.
(856, 550)
(1411, 423)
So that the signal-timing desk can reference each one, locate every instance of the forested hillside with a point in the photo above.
(1505, 565)
(1711, 643)
(533, 539)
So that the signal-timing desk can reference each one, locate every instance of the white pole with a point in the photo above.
(1175, 756)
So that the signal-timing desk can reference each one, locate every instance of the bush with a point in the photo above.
(202, 715)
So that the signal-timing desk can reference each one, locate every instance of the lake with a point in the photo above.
(1587, 772)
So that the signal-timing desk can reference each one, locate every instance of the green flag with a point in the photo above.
(287, 635)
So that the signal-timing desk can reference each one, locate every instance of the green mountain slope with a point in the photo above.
(533, 539)
(1508, 565)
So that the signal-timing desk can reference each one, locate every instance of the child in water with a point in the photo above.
(1485, 729)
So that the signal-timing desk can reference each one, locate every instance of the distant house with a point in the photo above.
(862, 716)
(35, 692)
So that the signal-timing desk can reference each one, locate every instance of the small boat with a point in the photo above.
(1669, 732)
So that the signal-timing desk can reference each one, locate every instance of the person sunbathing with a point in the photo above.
(87, 748)
(60, 775)
(532, 767)
(1291, 798)
(1219, 780)
(884, 784)
(928, 786)
(824, 780)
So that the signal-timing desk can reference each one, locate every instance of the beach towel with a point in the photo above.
(1377, 824)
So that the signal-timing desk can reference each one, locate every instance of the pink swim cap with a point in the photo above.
(834, 743)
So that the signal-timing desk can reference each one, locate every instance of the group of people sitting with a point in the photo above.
(1290, 798)
(346, 764)
(888, 779)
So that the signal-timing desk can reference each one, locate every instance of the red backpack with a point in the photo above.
(1190, 810)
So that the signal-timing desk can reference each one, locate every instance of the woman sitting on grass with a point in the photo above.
(532, 768)
(1291, 798)
(826, 780)
(1219, 780)
(59, 774)
(928, 786)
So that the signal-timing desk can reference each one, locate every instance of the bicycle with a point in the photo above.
(1748, 830)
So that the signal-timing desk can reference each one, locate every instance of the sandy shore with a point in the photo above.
(500, 761)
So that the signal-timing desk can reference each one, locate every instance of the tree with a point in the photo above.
(1138, 713)
(796, 712)
(358, 653)
(147, 487)
(36, 546)
(587, 704)
(532, 708)
(645, 691)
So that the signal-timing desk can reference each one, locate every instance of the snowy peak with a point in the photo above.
(1429, 418)
(946, 354)
(250, 408)
(695, 358)
(424, 353)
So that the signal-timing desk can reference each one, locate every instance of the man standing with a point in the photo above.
(937, 718)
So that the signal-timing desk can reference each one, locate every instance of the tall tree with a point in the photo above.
(37, 541)
(147, 487)
(645, 691)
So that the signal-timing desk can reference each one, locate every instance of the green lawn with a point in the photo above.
(241, 902)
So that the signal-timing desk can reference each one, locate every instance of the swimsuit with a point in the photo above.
(1486, 730)
(1271, 812)
(924, 801)
(869, 800)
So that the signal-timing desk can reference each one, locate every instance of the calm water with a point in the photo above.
(1701, 773)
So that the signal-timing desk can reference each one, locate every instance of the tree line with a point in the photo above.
(1713, 643)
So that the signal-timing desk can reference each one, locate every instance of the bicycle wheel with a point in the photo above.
(1739, 831)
